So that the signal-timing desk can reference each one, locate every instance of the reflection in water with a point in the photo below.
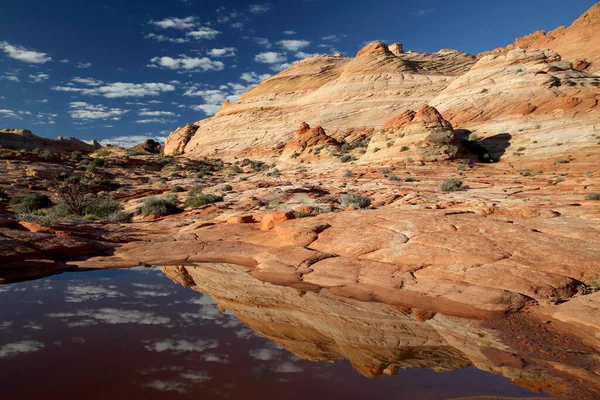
(135, 333)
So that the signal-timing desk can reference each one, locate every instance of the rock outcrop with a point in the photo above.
(421, 136)
(310, 144)
(150, 146)
(577, 43)
(24, 139)
(176, 142)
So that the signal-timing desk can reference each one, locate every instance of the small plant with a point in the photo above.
(301, 214)
(526, 173)
(227, 188)
(394, 178)
(295, 155)
(559, 144)
(562, 161)
(31, 203)
(119, 216)
(348, 174)
(384, 171)
(593, 196)
(404, 148)
(76, 156)
(461, 167)
(102, 208)
(158, 206)
(177, 189)
(202, 200)
(355, 200)
(195, 190)
(410, 179)
(451, 185)
(346, 158)
(376, 149)
(275, 173)
(90, 217)
(45, 155)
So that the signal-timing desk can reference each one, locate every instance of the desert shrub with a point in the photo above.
(195, 190)
(72, 193)
(355, 200)
(200, 200)
(101, 207)
(562, 161)
(348, 174)
(410, 179)
(451, 185)
(119, 216)
(594, 196)
(346, 158)
(301, 214)
(90, 217)
(461, 167)
(45, 155)
(158, 206)
(177, 189)
(98, 162)
(76, 156)
(275, 173)
(384, 171)
(103, 152)
(394, 178)
(31, 203)
(228, 188)
(237, 169)
(404, 148)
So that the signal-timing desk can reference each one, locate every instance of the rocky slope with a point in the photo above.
(538, 91)
(23, 139)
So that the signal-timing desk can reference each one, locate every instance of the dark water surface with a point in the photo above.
(136, 334)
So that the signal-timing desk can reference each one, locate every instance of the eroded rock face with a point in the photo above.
(149, 146)
(576, 42)
(310, 144)
(415, 136)
(342, 95)
(175, 143)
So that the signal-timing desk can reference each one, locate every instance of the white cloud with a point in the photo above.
(208, 109)
(24, 346)
(293, 45)
(175, 23)
(22, 54)
(121, 89)
(332, 38)
(82, 293)
(86, 111)
(287, 367)
(112, 316)
(83, 65)
(237, 25)
(424, 12)
(253, 77)
(13, 78)
(196, 376)
(216, 358)
(260, 8)
(182, 345)
(188, 64)
(203, 32)
(167, 386)
(259, 41)
(270, 57)
(222, 52)
(302, 54)
(39, 77)
(131, 140)
(289, 32)
(87, 81)
(13, 114)
(156, 113)
(163, 38)
(264, 354)
(280, 67)
(154, 121)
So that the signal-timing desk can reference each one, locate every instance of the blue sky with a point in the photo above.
(128, 69)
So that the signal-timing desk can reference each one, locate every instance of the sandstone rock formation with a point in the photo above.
(577, 43)
(24, 139)
(342, 95)
(149, 146)
(421, 136)
(176, 141)
(309, 144)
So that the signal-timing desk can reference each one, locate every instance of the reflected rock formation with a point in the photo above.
(380, 339)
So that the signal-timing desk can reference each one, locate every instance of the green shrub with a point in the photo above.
(195, 190)
(349, 174)
(594, 196)
(102, 208)
(461, 167)
(76, 156)
(355, 200)
(404, 148)
(158, 206)
(228, 188)
(90, 217)
(200, 200)
(177, 189)
(31, 203)
(45, 155)
(394, 178)
(385, 171)
(451, 185)
(275, 173)
(119, 216)
(346, 158)
(410, 179)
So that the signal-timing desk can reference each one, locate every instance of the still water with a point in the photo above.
(138, 334)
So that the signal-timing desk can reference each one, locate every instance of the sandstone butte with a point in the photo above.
(503, 274)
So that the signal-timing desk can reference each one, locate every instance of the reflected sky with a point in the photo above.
(136, 333)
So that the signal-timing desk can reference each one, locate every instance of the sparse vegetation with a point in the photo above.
(404, 148)
(355, 200)
(348, 174)
(394, 178)
(31, 203)
(200, 200)
(451, 185)
(593, 196)
(227, 188)
(346, 158)
(158, 206)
